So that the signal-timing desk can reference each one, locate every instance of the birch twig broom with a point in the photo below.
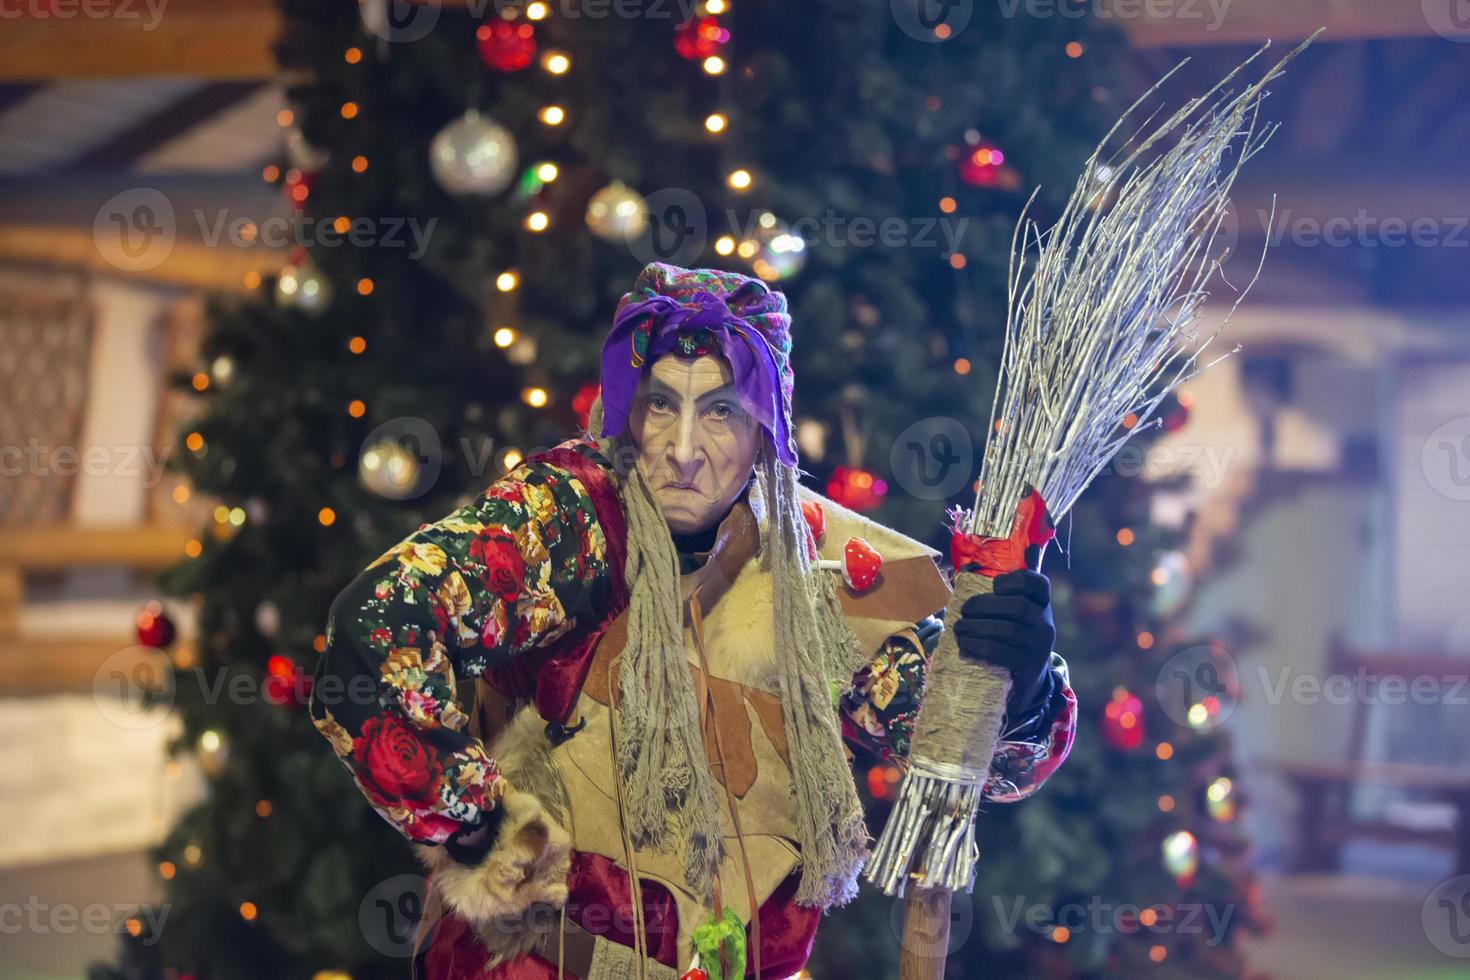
(1101, 331)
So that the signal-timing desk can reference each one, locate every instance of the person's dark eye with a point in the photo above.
(659, 403)
(725, 411)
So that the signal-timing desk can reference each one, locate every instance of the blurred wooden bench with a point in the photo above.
(31, 665)
(1325, 821)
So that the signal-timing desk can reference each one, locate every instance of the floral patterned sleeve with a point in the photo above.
(1034, 748)
(515, 568)
(880, 710)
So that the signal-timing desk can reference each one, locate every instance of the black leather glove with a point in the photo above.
(1012, 628)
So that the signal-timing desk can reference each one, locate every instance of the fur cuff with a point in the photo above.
(513, 896)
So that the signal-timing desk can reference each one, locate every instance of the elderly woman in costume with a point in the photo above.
(669, 640)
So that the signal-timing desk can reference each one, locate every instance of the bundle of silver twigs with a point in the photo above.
(1101, 328)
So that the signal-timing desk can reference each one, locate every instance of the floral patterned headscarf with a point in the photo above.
(704, 311)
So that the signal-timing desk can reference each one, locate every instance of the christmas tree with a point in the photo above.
(478, 185)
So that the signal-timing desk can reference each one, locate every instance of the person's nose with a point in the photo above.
(684, 457)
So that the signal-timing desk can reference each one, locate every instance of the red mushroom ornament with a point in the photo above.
(816, 519)
(860, 564)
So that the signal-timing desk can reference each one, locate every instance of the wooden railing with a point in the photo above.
(1326, 819)
(31, 665)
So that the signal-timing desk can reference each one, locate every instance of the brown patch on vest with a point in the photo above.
(730, 698)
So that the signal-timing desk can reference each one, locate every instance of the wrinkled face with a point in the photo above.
(696, 445)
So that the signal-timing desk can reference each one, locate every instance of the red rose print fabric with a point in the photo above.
(517, 567)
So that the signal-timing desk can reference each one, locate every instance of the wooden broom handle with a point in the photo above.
(927, 910)
(925, 934)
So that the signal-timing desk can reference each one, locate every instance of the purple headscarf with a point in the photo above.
(704, 311)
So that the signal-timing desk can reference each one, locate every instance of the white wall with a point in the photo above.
(122, 407)
(1316, 550)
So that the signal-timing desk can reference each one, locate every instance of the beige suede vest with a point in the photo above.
(740, 714)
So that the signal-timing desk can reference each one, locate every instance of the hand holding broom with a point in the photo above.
(1102, 330)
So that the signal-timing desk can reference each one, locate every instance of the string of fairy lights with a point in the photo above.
(475, 155)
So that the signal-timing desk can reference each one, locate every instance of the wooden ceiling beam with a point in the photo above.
(201, 38)
(191, 265)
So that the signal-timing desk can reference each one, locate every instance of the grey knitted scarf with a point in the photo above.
(670, 792)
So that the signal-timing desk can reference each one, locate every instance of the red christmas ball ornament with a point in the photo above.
(279, 673)
(856, 489)
(505, 46)
(700, 38)
(155, 628)
(286, 684)
(583, 400)
(985, 165)
(298, 187)
(1122, 721)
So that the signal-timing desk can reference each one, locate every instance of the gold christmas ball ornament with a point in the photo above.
(617, 212)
